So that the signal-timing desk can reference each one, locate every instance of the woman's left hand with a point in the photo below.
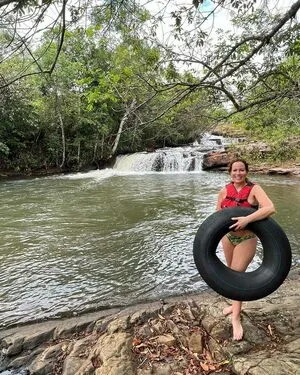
(241, 222)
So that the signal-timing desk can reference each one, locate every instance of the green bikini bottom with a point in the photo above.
(235, 240)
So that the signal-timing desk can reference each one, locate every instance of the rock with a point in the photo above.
(78, 355)
(163, 369)
(36, 339)
(219, 160)
(260, 148)
(13, 345)
(47, 361)
(283, 171)
(157, 327)
(193, 332)
(274, 363)
(168, 340)
(216, 159)
(195, 342)
(114, 355)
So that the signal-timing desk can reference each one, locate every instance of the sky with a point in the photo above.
(217, 17)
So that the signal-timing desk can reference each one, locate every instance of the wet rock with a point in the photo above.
(284, 171)
(36, 339)
(12, 345)
(68, 331)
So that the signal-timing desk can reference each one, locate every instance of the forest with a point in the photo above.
(84, 81)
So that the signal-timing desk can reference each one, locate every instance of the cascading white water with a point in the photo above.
(164, 160)
(179, 159)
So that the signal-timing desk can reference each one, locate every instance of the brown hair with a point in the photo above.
(238, 160)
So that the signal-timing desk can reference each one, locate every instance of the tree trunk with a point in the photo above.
(128, 111)
(78, 153)
(61, 124)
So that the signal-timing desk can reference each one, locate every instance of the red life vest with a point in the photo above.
(237, 198)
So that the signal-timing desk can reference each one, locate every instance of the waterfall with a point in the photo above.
(163, 160)
(178, 159)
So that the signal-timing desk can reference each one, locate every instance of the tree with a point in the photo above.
(220, 66)
(18, 126)
(113, 84)
(238, 60)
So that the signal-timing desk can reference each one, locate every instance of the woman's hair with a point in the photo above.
(238, 160)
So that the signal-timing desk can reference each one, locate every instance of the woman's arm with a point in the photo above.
(266, 209)
(221, 196)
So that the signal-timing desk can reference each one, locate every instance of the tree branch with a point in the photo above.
(63, 30)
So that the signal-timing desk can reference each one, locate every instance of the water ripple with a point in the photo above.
(80, 242)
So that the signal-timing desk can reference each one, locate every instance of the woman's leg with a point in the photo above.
(228, 249)
(242, 256)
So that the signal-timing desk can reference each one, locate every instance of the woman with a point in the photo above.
(240, 244)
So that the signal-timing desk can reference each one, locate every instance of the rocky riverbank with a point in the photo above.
(260, 155)
(219, 160)
(179, 336)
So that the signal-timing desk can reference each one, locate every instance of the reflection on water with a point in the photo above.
(100, 239)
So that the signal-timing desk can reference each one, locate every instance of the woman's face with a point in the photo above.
(238, 172)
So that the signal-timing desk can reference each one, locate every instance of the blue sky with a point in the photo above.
(206, 6)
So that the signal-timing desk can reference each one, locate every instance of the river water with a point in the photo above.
(94, 240)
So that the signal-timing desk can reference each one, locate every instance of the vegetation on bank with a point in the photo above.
(278, 144)
(112, 87)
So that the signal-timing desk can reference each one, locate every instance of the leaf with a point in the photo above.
(142, 345)
(208, 356)
(184, 348)
(136, 341)
(196, 3)
(270, 330)
(226, 362)
(196, 356)
(204, 366)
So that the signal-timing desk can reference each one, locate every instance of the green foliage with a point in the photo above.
(104, 77)
(278, 127)
(4, 150)
(18, 124)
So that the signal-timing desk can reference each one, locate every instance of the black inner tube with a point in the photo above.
(242, 286)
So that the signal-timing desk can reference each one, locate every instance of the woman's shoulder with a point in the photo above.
(257, 189)
(255, 185)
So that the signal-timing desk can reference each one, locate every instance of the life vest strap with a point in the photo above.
(239, 200)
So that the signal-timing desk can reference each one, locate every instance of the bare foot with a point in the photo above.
(237, 329)
(227, 310)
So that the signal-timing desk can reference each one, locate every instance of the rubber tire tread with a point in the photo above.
(242, 286)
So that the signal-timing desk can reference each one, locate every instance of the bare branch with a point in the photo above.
(291, 13)
(63, 30)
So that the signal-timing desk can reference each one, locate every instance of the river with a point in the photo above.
(86, 241)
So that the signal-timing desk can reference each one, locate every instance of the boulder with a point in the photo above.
(217, 159)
